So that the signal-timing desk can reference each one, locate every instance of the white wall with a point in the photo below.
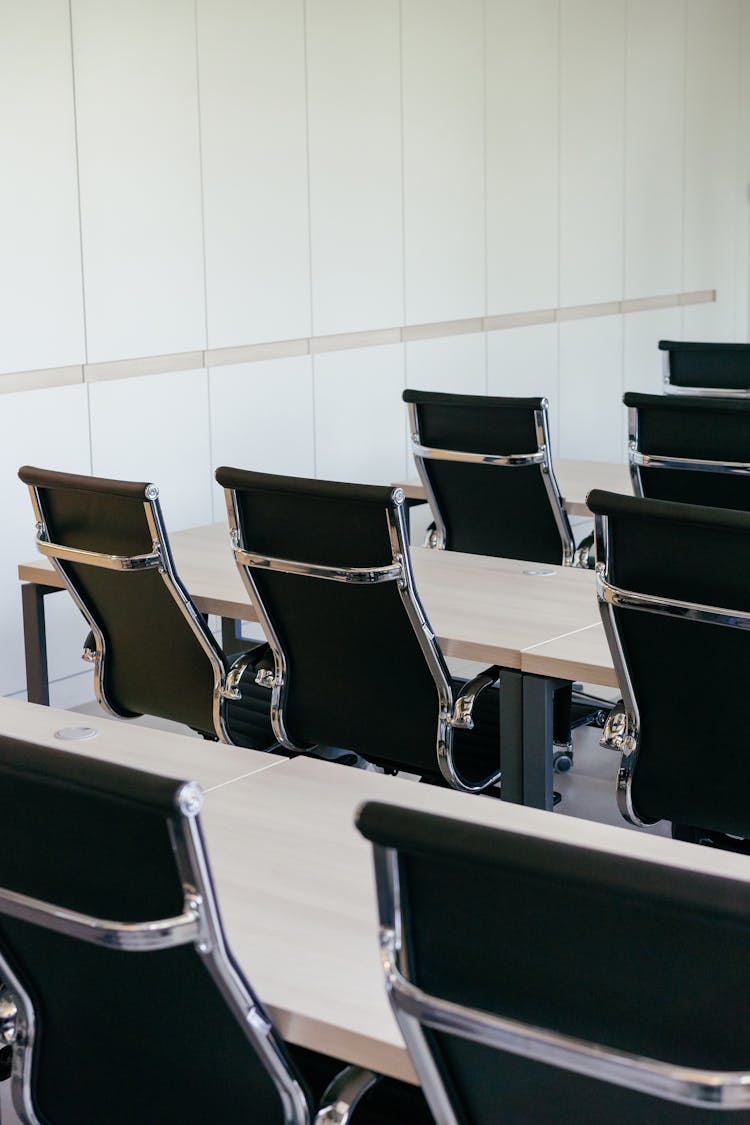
(183, 175)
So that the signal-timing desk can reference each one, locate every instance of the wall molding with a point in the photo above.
(16, 381)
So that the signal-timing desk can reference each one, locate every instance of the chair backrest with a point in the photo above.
(356, 663)
(154, 651)
(112, 945)
(486, 468)
(675, 602)
(691, 450)
(645, 1022)
(717, 370)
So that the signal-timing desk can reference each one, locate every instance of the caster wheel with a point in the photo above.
(562, 761)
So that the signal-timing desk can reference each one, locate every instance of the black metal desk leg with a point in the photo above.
(511, 735)
(538, 695)
(35, 640)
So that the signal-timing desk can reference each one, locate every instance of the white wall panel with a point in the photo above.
(591, 150)
(642, 362)
(522, 362)
(522, 59)
(156, 429)
(654, 146)
(254, 148)
(452, 364)
(41, 307)
(443, 92)
(354, 111)
(359, 415)
(262, 419)
(136, 98)
(712, 75)
(591, 407)
(47, 428)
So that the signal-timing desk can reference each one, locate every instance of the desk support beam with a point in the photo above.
(511, 735)
(35, 640)
(538, 698)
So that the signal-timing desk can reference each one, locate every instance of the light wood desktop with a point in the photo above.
(296, 886)
(575, 480)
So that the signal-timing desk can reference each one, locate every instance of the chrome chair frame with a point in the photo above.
(452, 714)
(414, 1010)
(199, 925)
(622, 730)
(540, 456)
(638, 460)
(226, 683)
(671, 388)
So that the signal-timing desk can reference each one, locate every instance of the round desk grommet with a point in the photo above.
(76, 734)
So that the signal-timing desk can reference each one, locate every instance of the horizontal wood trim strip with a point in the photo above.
(317, 345)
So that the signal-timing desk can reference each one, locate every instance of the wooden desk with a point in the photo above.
(575, 479)
(296, 888)
(128, 744)
(481, 608)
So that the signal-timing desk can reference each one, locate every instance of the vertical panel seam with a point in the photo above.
(201, 176)
(313, 365)
(80, 231)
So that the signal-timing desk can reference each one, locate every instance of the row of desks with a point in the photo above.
(539, 623)
(295, 879)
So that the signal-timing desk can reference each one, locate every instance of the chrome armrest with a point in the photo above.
(584, 555)
(430, 537)
(462, 717)
(343, 1094)
(620, 730)
(259, 660)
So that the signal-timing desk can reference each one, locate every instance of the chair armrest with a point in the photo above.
(343, 1094)
(258, 660)
(430, 536)
(89, 649)
(462, 718)
(620, 730)
(584, 555)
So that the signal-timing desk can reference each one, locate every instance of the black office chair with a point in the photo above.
(122, 1000)
(649, 1023)
(357, 665)
(487, 471)
(694, 368)
(152, 650)
(486, 466)
(691, 450)
(678, 629)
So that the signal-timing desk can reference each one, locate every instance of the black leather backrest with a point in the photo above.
(701, 428)
(154, 663)
(357, 677)
(689, 678)
(485, 911)
(694, 364)
(487, 509)
(114, 1026)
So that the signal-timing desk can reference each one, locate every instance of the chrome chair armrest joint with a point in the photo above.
(9, 1022)
(343, 1094)
(463, 707)
(620, 730)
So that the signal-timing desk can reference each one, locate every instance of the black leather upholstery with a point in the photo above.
(154, 662)
(357, 677)
(689, 677)
(487, 509)
(694, 364)
(115, 1030)
(658, 967)
(700, 428)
